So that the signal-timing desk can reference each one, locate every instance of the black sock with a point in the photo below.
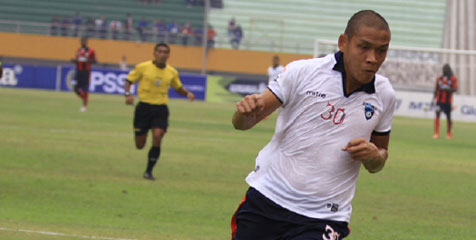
(154, 154)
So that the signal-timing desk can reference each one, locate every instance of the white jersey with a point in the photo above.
(274, 72)
(303, 167)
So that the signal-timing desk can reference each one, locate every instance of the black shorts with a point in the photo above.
(443, 107)
(147, 116)
(82, 80)
(260, 218)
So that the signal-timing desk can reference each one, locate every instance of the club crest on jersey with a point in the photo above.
(369, 110)
(157, 82)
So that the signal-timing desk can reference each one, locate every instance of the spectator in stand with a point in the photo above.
(162, 28)
(173, 29)
(103, 28)
(99, 22)
(142, 29)
(90, 28)
(128, 26)
(115, 27)
(211, 37)
(65, 25)
(231, 28)
(185, 33)
(77, 23)
(238, 35)
(198, 33)
(155, 30)
(55, 25)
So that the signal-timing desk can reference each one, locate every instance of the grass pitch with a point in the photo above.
(79, 174)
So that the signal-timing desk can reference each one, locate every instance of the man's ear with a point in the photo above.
(343, 41)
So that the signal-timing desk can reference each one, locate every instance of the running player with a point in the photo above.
(85, 56)
(446, 85)
(154, 77)
(335, 116)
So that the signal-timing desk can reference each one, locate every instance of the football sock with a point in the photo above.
(85, 98)
(154, 154)
(437, 125)
(449, 126)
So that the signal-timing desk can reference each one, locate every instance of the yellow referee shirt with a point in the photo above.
(154, 82)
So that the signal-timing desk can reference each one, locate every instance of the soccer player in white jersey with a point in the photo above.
(275, 69)
(336, 115)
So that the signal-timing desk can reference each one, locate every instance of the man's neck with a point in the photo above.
(160, 65)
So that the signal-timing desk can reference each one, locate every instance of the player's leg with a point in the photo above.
(257, 217)
(159, 125)
(82, 78)
(437, 122)
(449, 122)
(154, 152)
(141, 124)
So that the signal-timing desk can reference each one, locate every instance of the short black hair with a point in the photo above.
(447, 70)
(162, 45)
(367, 18)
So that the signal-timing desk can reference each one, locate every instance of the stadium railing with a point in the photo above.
(221, 41)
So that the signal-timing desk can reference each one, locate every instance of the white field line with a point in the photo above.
(62, 234)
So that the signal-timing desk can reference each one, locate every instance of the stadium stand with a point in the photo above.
(278, 25)
(44, 11)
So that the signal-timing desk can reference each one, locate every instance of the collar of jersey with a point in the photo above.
(339, 66)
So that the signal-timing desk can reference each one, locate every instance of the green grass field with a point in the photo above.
(79, 174)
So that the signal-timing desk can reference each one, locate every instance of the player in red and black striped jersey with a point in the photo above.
(85, 56)
(446, 85)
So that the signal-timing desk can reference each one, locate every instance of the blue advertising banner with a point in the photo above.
(28, 76)
(103, 80)
(111, 81)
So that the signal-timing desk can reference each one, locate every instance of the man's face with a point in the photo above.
(364, 53)
(161, 55)
(275, 61)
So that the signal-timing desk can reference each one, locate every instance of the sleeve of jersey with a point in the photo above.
(455, 83)
(176, 83)
(385, 124)
(93, 55)
(282, 85)
(134, 75)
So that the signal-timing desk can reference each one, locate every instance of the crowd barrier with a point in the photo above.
(103, 80)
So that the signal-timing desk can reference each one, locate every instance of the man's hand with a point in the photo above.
(130, 100)
(368, 153)
(247, 111)
(190, 96)
(251, 105)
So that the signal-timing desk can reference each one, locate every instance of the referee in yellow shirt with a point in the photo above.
(154, 77)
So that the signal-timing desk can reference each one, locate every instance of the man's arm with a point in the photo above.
(373, 154)
(254, 108)
(128, 94)
(184, 92)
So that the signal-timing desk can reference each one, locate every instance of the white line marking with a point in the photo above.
(63, 234)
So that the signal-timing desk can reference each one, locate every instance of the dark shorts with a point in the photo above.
(260, 218)
(147, 116)
(82, 80)
(443, 107)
